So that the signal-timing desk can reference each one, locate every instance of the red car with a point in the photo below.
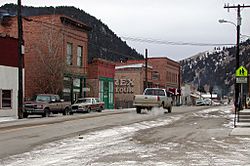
(87, 105)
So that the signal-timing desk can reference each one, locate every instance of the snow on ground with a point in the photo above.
(222, 111)
(89, 148)
(116, 147)
(7, 118)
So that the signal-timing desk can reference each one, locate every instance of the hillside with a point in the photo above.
(103, 43)
(216, 69)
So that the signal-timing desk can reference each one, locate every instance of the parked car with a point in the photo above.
(87, 105)
(45, 104)
(153, 97)
(207, 101)
(199, 102)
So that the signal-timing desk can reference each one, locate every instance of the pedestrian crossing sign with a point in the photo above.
(241, 72)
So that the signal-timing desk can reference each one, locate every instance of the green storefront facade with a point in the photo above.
(100, 81)
(106, 91)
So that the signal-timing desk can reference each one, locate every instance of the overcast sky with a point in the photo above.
(190, 21)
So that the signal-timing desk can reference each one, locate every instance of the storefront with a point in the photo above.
(100, 81)
(130, 81)
(73, 87)
(130, 78)
(106, 92)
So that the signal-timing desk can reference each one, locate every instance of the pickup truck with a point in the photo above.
(45, 104)
(153, 97)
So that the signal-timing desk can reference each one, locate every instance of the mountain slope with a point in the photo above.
(103, 43)
(215, 69)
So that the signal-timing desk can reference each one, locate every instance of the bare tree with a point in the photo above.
(50, 64)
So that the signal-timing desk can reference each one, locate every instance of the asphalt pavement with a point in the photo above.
(241, 129)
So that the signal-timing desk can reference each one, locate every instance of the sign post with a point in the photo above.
(241, 78)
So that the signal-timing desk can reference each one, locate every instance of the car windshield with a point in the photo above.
(155, 92)
(83, 101)
(42, 98)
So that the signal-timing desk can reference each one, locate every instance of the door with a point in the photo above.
(106, 93)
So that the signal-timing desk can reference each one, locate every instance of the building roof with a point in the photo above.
(63, 18)
(138, 65)
(69, 21)
(164, 58)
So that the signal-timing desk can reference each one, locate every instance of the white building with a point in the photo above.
(8, 76)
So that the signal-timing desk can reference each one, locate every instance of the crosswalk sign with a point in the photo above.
(241, 72)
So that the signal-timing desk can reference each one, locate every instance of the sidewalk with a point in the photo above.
(7, 118)
(242, 128)
(13, 122)
(240, 131)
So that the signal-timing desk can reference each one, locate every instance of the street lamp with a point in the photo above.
(225, 21)
(237, 86)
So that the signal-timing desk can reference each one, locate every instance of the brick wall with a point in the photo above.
(101, 68)
(40, 33)
(167, 69)
(128, 82)
(93, 85)
(9, 51)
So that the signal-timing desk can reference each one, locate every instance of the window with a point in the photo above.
(6, 99)
(155, 92)
(111, 92)
(69, 53)
(79, 56)
(155, 75)
(101, 90)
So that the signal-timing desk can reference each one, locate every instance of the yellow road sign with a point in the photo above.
(241, 72)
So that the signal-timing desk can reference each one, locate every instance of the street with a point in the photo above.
(187, 136)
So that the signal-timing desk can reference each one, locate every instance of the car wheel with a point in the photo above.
(66, 111)
(138, 110)
(25, 115)
(46, 113)
(88, 110)
(170, 109)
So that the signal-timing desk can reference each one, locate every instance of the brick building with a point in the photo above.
(100, 81)
(162, 72)
(129, 81)
(55, 54)
(8, 76)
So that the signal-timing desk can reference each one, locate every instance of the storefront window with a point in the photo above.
(101, 90)
(6, 99)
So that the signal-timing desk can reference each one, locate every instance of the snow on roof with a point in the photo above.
(138, 65)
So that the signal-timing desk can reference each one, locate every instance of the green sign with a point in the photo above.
(241, 72)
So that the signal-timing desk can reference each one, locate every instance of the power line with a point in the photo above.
(156, 41)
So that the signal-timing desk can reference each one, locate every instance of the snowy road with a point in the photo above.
(148, 143)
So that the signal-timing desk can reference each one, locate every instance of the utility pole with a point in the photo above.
(237, 86)
(146, 68)
(179, 86)
(20, 60)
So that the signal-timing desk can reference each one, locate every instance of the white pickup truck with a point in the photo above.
(153, 97)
